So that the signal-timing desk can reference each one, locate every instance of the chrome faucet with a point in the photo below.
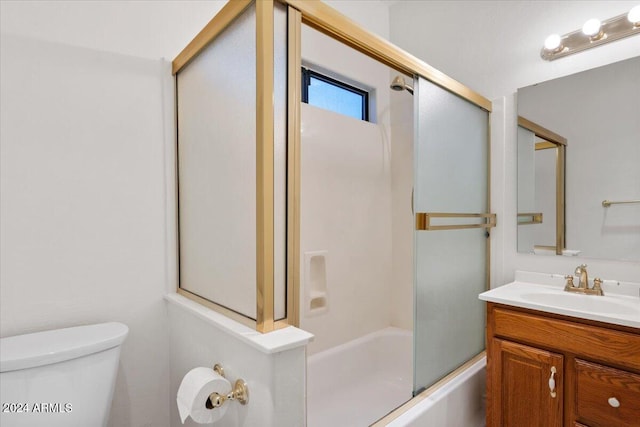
(583, 282)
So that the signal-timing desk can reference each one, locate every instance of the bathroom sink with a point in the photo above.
(620, 304)
(590, 303)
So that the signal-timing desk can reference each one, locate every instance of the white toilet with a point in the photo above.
(63, 377)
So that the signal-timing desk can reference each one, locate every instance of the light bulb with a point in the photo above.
(552, 42)
(591, 27)
(634, 15)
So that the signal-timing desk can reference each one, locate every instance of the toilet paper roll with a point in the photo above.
(194, 391)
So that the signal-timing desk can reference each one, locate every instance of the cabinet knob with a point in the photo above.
(615, 403)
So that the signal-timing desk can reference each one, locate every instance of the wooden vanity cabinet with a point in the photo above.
(594, 368)
(523, 382)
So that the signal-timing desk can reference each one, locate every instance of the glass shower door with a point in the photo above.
(451, 232)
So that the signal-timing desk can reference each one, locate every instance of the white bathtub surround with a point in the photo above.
(459, 402)
(345, 178)
(402, 221)
(272, 364)
(357, 383)
(316, 298)
(345, 200)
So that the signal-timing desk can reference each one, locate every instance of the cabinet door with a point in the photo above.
(527, 386)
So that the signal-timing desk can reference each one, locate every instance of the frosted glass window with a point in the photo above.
(330, 94)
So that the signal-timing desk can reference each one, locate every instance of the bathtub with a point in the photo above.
(458, 402)
(362, 381)
(359, 382)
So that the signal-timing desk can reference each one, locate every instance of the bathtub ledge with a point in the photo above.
(269, 343)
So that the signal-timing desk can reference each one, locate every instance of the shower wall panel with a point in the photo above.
(401, 295)
(346, 199)
(345, 210)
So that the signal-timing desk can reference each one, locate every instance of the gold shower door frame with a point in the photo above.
(328, 21)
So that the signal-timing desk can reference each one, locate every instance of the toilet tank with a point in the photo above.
(63, 377)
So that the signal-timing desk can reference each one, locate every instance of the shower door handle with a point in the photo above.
(423, 220)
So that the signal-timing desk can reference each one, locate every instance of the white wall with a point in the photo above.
(83, 177)
(373, 15)
(493, 47)
(147, 29)
(83, 204)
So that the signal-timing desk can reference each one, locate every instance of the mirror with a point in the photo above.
(541, 178)
(597, 115)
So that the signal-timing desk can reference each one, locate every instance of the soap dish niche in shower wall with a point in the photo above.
(317, 300)
(315, 283)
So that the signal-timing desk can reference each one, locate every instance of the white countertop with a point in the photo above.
(545, 292)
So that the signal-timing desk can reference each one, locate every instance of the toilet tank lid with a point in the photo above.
(47, 347)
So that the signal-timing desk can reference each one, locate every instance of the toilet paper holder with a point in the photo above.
(239, 392)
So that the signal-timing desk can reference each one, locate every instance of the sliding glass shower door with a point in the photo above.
(452, 223)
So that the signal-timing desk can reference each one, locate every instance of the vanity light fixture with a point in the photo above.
(553, 43)
(593, 29)
(634, 16)
(593, 33)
